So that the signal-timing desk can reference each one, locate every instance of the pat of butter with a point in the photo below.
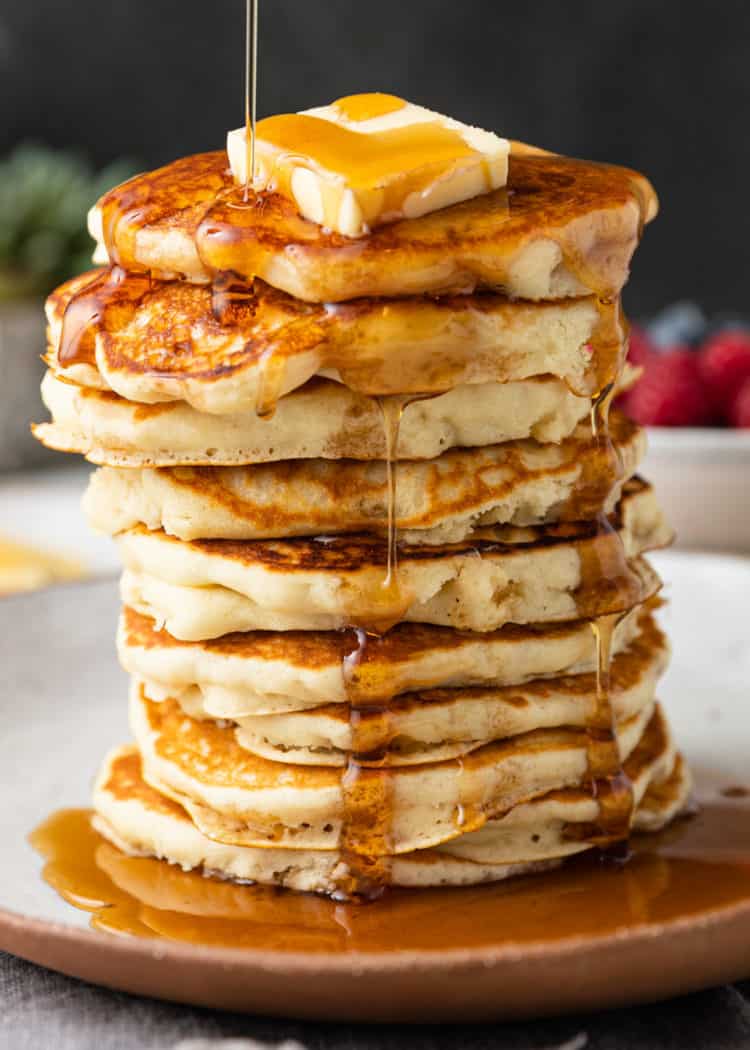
(370, 159)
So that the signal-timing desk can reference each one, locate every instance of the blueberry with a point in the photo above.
(682, 322)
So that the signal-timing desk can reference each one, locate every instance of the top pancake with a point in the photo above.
(560, 227)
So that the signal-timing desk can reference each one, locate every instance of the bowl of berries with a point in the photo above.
(693, 394)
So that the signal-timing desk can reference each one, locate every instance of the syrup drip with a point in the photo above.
(604, 568)
(226, 293)
(698, 866)
(367, 785)
(609, 781)
(392, 410)
(273, 372)
(611, 572)
(85, 310)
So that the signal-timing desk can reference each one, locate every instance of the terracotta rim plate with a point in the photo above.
(64, 704)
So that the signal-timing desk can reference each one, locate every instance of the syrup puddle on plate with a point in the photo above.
(698, 865)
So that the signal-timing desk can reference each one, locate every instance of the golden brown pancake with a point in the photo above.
(437, 501)
(153, 341)
(207, 588)
(435, 724)
(560, 227)
(266, 672)
(240, 798)
(322, 419)
(141, 821)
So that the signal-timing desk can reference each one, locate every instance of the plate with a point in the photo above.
(714, 462)
(64, 703)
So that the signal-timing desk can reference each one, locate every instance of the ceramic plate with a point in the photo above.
(63, 704)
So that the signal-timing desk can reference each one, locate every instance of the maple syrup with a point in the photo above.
(367, 784)
(697, 867)
(83, 313)
(367, 160)
(604, 567)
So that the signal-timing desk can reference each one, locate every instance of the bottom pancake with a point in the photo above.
(532, 837)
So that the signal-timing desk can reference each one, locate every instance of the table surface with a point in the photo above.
(43, 509)
(41, 1009)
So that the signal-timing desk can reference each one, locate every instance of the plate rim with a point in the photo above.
(465, 985)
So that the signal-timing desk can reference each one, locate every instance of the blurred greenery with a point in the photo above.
(44, 197)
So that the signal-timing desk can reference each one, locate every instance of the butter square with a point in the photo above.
(369, 159)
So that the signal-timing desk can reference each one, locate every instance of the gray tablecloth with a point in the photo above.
(40, 1010)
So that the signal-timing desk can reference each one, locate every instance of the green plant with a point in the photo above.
(44, 197)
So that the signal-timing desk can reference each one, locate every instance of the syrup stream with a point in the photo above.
(251, 91)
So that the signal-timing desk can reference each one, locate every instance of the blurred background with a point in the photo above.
(661, 86)
(115, 88)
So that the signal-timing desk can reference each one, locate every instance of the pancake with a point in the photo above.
(208, 588)
(437, 501)
(436, 724)
(560, 227)
(268, 672)
(225, 352)
(237, 797)
(320, 420)
(142, 822)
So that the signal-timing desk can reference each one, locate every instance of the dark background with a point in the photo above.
(662, 86)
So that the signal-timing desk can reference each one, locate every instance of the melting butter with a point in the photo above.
(369, 159)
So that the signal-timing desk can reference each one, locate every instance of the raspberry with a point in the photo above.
(739, 408)
(671, 392)
(640, 347)
(724, 367)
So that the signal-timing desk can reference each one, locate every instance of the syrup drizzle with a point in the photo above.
(607, 566)
(367, 786)
(84, 311)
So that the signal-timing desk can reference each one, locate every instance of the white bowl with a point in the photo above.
(702, 477)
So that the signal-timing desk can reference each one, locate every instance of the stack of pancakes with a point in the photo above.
(386, 607)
